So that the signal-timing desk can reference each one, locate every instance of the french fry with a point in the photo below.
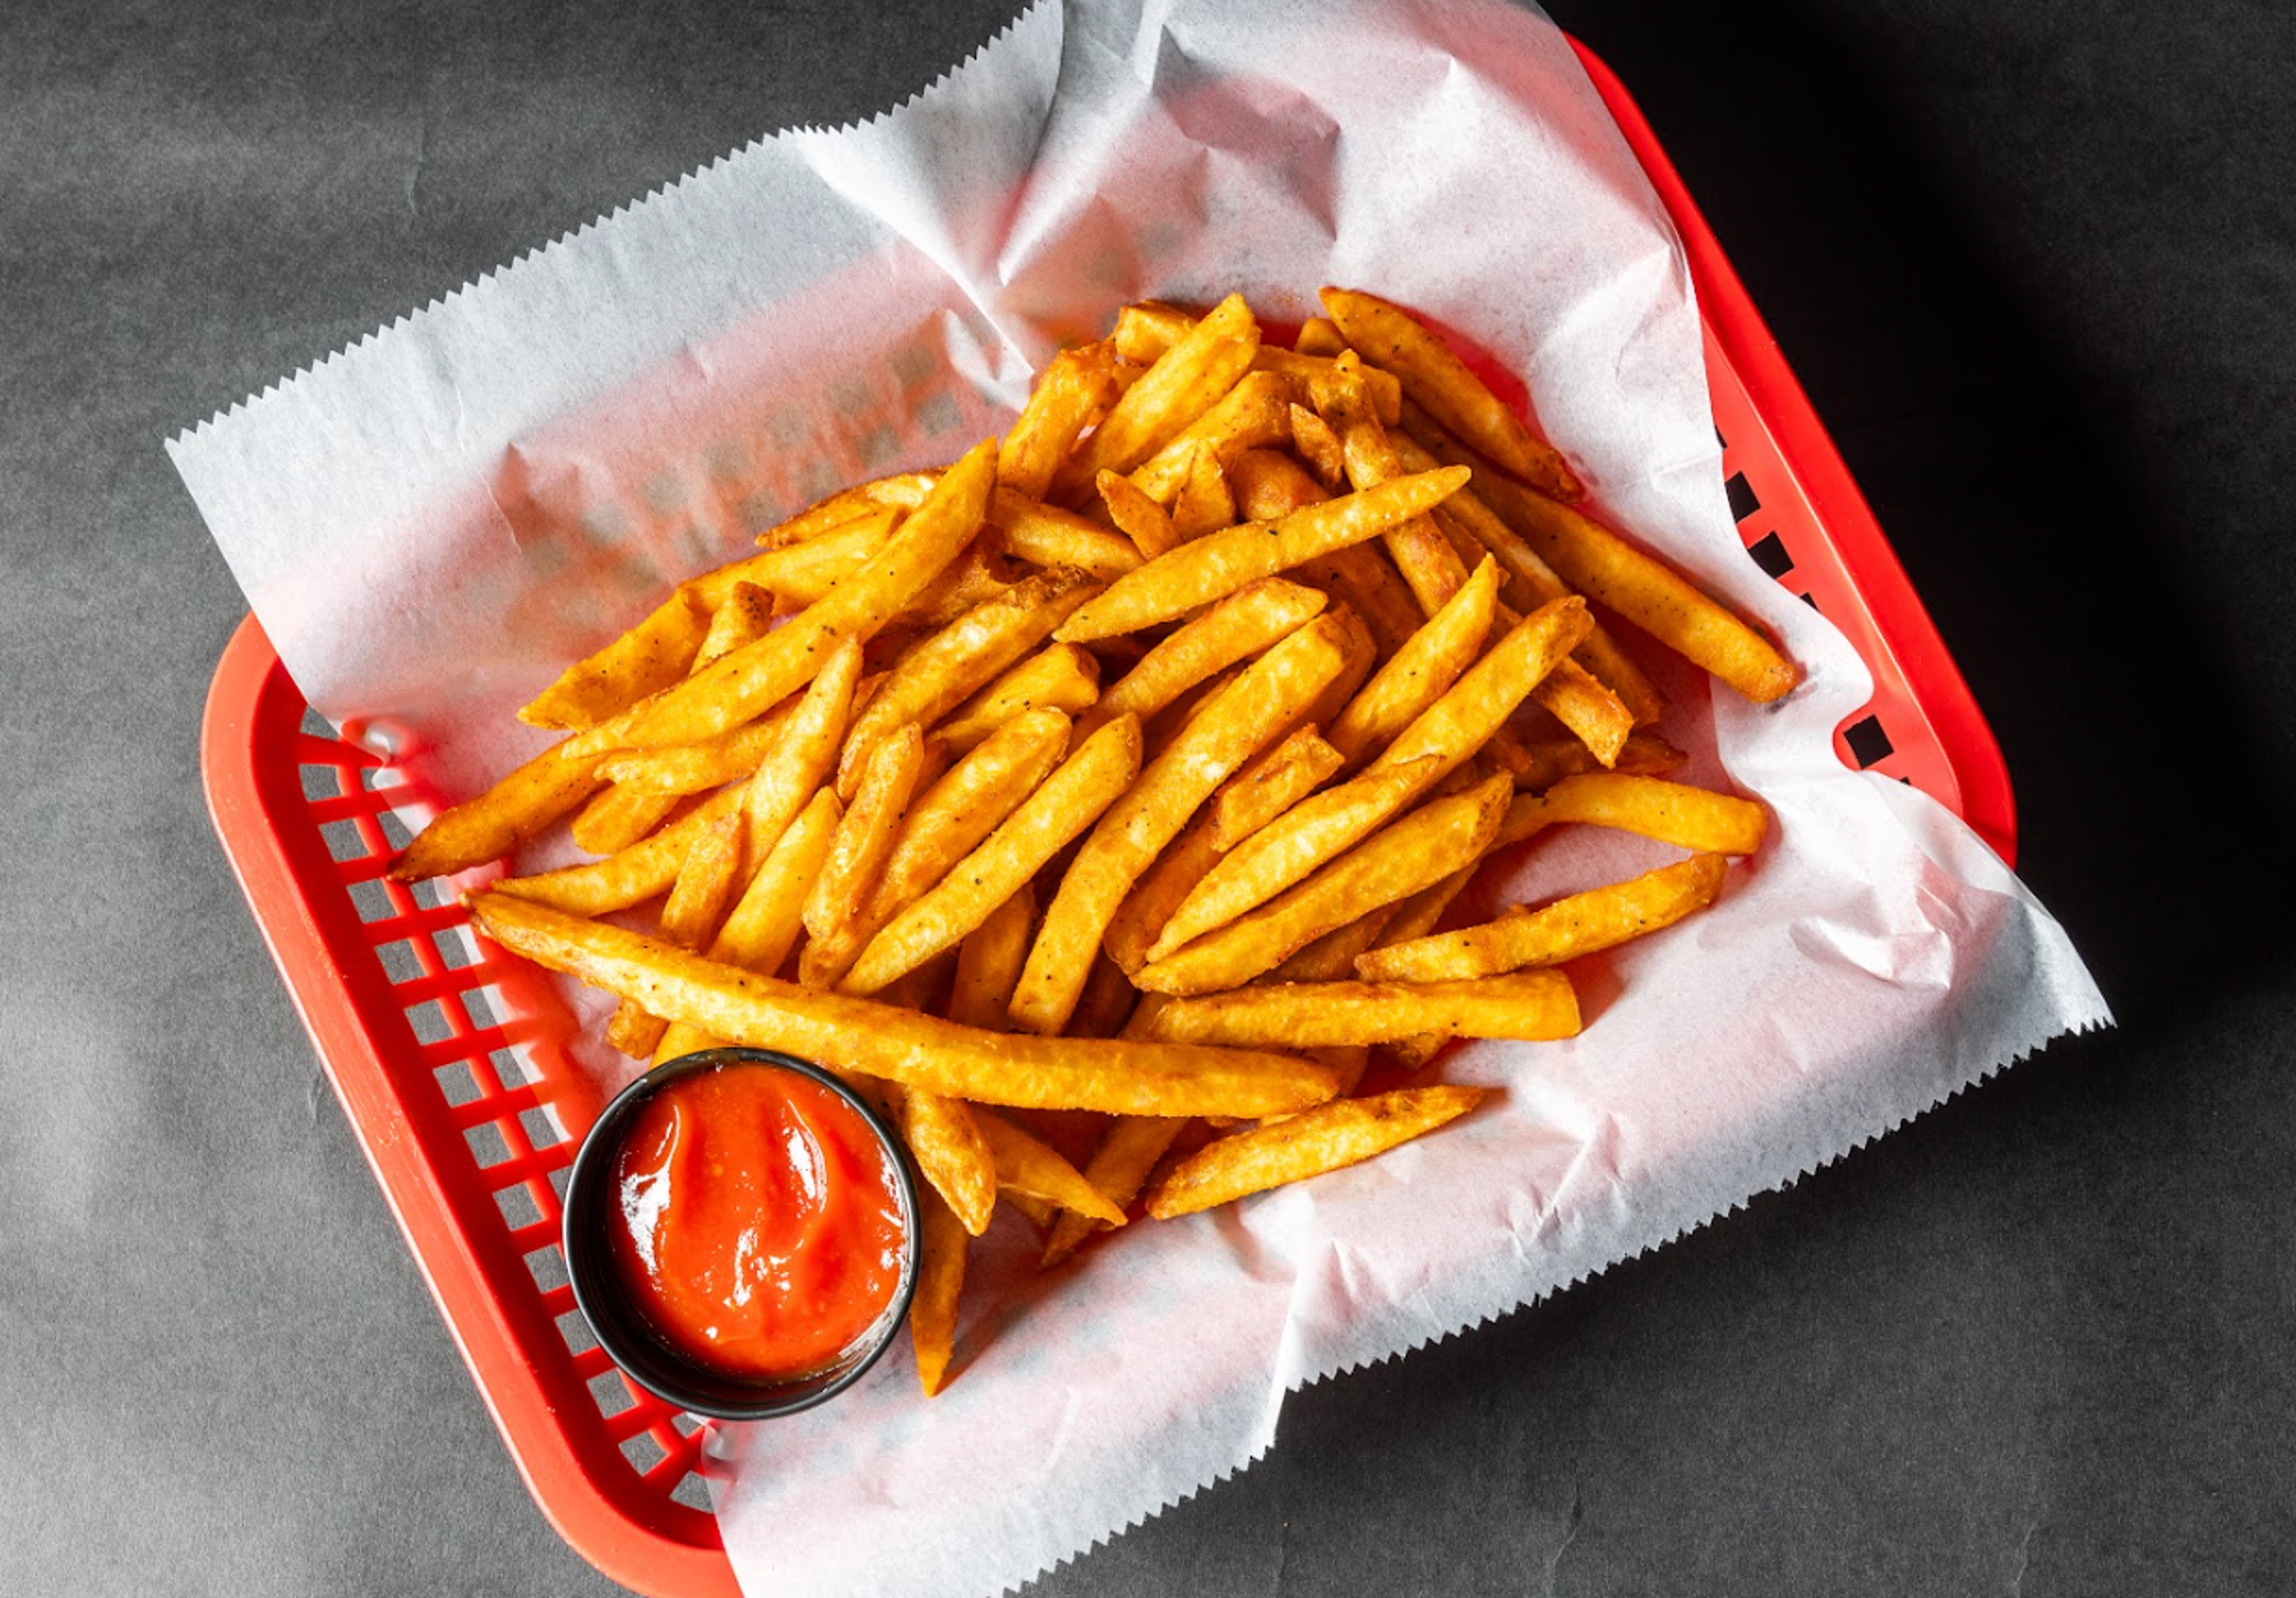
(698, 767)
(1104, 1005)
(630, 876)
(1047, 536)
(1127, 1152)
(952, 1154)
(940, 1279)
(497, 821)
(1675, 813)
(1319, 336)
(903, 491)
(1137, 516)
(1241, 626)
(1536, 1006)
(1332, 957)
(1204, 503)
(944, 671)
(743, 617)
(1270, 785)
(807, 753)
(1261, 702)
(1409, 855)
(1115, 1076)
(1071, 800)
(797, 573)
(988, 962)
(1416, 675)
(1579, 924)
(1252, 413)
(1344, 1133)
(1185, 381)
(1219, 563)
(1030, 1168)
(651, 656)
(762, 928)
(1077, 385)
(1060, 677)
(1391, 337)
(619, 816)
(833, 910)
(1315, 442)
(962, 808)
(1161, 889)
(748, 681)
(689, 918)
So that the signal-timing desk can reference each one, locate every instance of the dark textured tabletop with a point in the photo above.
(2037, 267)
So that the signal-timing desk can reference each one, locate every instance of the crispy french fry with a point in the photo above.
(840, 510)
(497, 821)
(1410, 854)
(806, 755)
(743, 684)
(1270, 785)
(834, 926)
(1127, 1152)
(1536, 1006)
(988, 962)
(698, 767)
(1315, 442)
(1047, 536)
(1540, 763)
(1219, 563)
(1204, 503)
(1344, 1133)
(763, 926)
(1137, 517)
(1418, 673)
(1070, 800)
(689, 918)
(940, 1279)
(1252, 413)
(1027, 1166)
(1060, 677)
(1160, 890)
(1675, 813)
(1579, 924)
(1253, 709)
(1595, 715)
(629, 877)
(1146, 332)
(1319, 336)
(1391, 337)
(1332, 957)
(744, 616)
(1186, 380)
(952, 1154)
(1115, 1076)
(962, 808)
(619, 816)
(797, 574)
(1077, 385)
(1249, 620)
(651, 656)
(947, 668)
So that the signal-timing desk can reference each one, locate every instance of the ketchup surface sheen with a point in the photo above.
(757, 1222)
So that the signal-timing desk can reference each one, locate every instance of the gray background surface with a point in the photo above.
(2035, 265)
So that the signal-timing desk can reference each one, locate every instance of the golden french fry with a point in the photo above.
(1242, 625)
(1539, 764)
(1411, 853)
(944, 671)
(1535, 1006)
(1270, 785)
(1675, 813)
(840, 510)
(799, 573)
(619, 816)
(628, 876)
(689, 918)
(1595, 715)
(988, 962)
(649, 657)
(1106, 1003)
(1262, 701)
(806, 755)
(1070, 800)
(1127, 1152)
(698, 767)
(1116, 1076)
(1144, 331)
(1219, 563)
(763, 926)
(1252, 413)
(940, 1279)
(962, 808)
(744, 618)
(1457, 724)
(1136, 516)
(745, 683)
(1621, 576)
(1027, 1166)
(1060, 677)
(1418, 673)
(833, 910)
(1076, 386)
(1579, 924)
(953, 1157)
(1187, 380)
(975, 576)
(1160, 890)
(1391, 337)
(1340, 1134)
(1319, 336)
(1269, 485)
(1332, 956)
(506, 815)
(1047, 536)
(1204, 503)
(1315, 442)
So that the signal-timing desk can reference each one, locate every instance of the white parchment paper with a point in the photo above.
(431, 524)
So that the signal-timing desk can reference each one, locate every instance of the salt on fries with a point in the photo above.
(1130, 766)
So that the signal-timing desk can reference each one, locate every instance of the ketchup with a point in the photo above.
(757, 1222)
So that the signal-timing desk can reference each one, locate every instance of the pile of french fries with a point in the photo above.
(1129, 765)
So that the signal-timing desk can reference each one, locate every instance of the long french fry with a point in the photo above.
(1601, 918)
(1240, 625)
(497, 821)
(1344, 1133)
(1115, 1075)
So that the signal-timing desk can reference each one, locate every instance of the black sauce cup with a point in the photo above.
(634, 1346)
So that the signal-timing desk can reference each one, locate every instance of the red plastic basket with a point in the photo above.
(450, 1067)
